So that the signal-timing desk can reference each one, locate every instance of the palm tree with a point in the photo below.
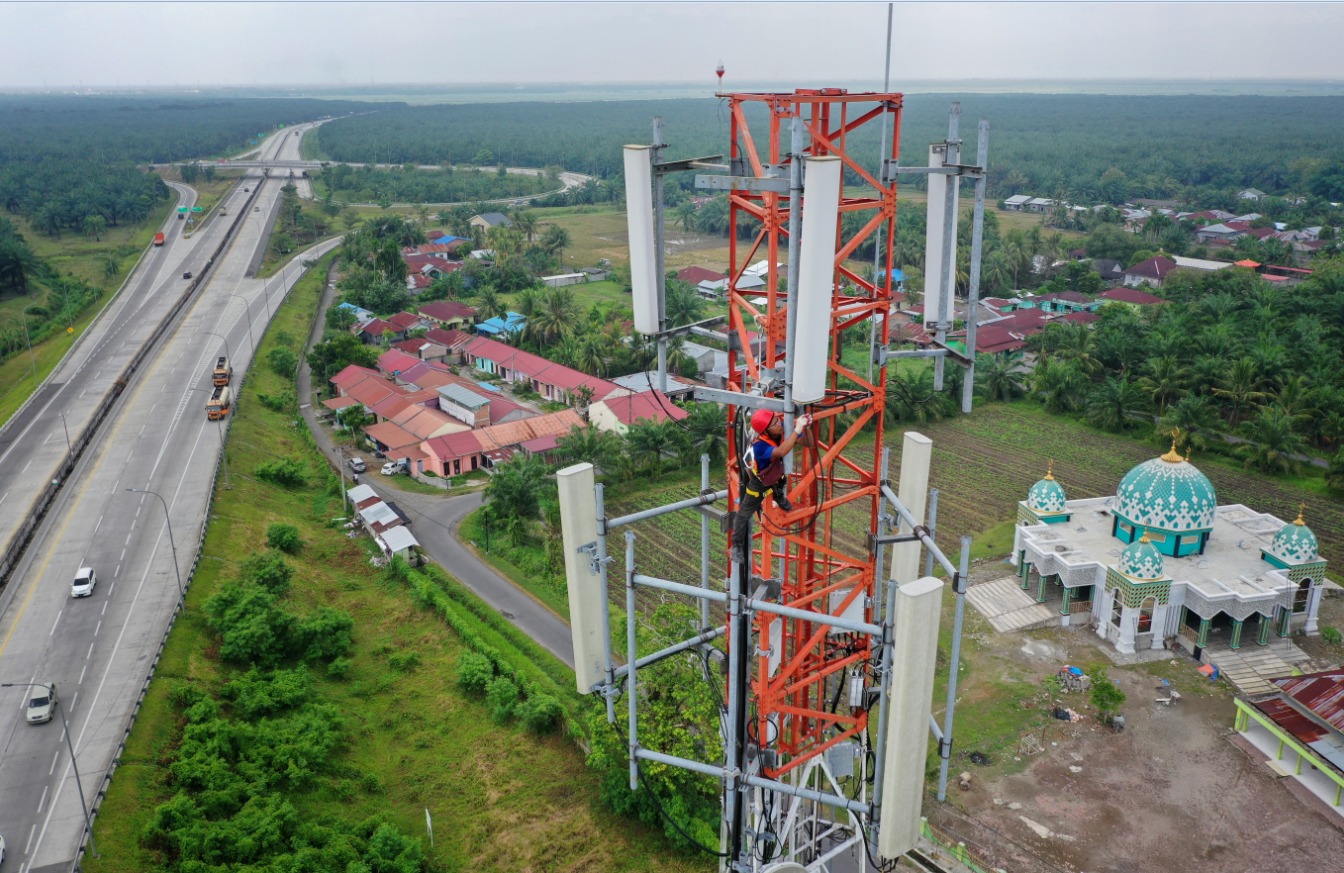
(488, 303)
(1060, 384)
(1164, 380)
(526, 223)
(1194, 416)
(1114, 402)
(684, 306)
(650, 441)
(554, 240)
(1241, 388)
(998, 377)
(684, 213)
(706, 430)
(601, 448)
(557, 316)
(1273, 447)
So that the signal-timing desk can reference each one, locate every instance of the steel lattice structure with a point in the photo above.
(798, 682)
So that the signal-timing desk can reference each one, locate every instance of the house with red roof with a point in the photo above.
(394, 362)
(696, 275)
(449, 314)
(1154, 271)
(371, 332)
(618, 412)
(1132, 297)
(407, 321)
(1298, 727)
(422, 347)
(552, 381)
(457, 453)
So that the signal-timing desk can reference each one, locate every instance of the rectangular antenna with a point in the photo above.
(578, 532)
(816, 277)
(643, 253)
(938, 306)
(915, 650)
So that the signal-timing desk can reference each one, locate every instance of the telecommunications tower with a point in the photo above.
(829, 639)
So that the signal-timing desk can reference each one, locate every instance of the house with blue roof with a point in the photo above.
(510, 323)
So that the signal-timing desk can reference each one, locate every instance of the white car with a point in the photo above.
(85, 579)
(391, 468)
(357, 464)
(41, 704)
(2, 850)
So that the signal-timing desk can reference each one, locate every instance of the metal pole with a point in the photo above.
(933, 529)
(734, 744)
(632, 655)
(977, 248)
(248, 310)
(602, 561)
(68, 448)
(225, 340)
(945, 744)
(881, 162)
(340, 468)
(882, 715)
(949, 278)
(181, 592)
(32, 359)
(65, 725)
(660, 258)
(704, 545)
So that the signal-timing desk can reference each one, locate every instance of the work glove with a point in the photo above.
(801, 424)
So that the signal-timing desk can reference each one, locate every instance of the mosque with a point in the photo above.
(1162, 565)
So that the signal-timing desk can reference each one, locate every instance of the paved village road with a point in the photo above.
(434, 521)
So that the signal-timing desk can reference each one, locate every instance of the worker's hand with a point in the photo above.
(801, 424)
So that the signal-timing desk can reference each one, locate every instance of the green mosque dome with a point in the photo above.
(1141, 560)
(1295, 544)
(1046, 495)
(1168, 494)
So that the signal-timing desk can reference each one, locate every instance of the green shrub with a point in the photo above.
(268, 570)
(474, 671)
(283, 361)
(502, 696)
(286, 472)
(284, 537)
(339, 668)
(277, 402)
(404, 662)
(251, 628)
(540, 713)
(1332, 635)
(324, 635)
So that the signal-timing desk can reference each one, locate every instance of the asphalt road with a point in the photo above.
(99, 650)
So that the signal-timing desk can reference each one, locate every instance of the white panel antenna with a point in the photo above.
(915, 649)
(816, 277)
(578, 531)
(938, 291)
(644, 279)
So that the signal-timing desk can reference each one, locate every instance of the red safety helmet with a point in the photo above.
(761, 420)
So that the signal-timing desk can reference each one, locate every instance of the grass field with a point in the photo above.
(501, 799)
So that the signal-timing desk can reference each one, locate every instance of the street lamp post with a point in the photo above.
(223, 339)
(65, 725)
(248, 310)
(181, 592)
(65, 427)
(32, 359)
(340, 468)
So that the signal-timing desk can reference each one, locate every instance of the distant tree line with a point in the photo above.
(412, 185)
(1201, 148)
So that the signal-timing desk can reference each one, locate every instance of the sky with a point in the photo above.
(120, 45)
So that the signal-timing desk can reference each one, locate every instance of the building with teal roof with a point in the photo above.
(1161, 565)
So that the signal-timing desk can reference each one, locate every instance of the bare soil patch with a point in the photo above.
(1173, 791)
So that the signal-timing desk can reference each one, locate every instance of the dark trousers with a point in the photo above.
(747, 507)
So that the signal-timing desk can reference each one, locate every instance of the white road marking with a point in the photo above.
(98, 525)
(104, 612)
(26, 466)
(54, 761)
(76, 698)
(3, 496)
(31, 831)
(117, 572)
(123, 556)
(43, 799)
(90, 654)
(82, 672)
(58, 621)
(98, 628)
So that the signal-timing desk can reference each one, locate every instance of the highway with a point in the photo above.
(99, 650)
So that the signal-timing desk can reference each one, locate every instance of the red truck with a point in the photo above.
(158, 239)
